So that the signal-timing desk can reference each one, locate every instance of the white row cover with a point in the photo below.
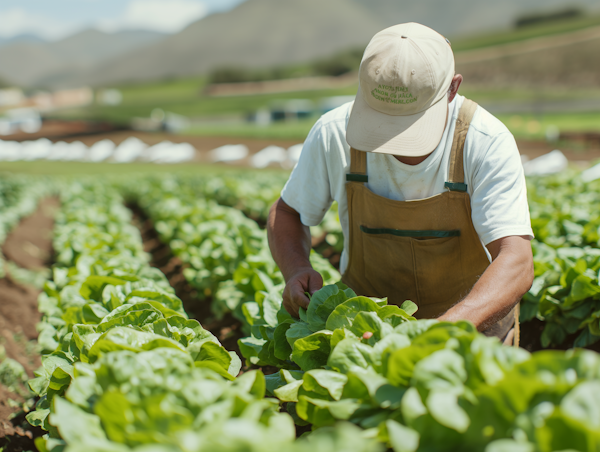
(550, 163)
(286, 158)
(591, 174)
(132, 149)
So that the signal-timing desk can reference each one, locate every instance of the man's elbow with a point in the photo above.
(272, 215)
(519, 255)
(280, 210)
(527, 272)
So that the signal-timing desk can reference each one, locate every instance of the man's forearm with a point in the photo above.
(500, 287)
(289, 239)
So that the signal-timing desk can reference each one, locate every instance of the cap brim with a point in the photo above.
(411, 136)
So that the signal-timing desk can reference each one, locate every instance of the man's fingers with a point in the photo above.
(295, 294)
(299, 298)
(290, 308)
(315, 283)
(295, 299)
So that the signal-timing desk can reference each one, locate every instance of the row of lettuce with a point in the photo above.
(565, 216)
(124, 368)
(424, 385)
(226, 254)
(412, 385)
(565, 219)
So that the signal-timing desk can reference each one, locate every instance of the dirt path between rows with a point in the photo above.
(30, 247)
(227, 329)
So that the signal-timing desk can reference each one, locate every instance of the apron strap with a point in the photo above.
(456, 173)
(358, 167)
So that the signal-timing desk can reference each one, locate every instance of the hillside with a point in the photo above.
(258, 33)
(91, 46)
(568, 60)
(265, 34)
(22, 64)
(20, 38)
(464, 17)
(28, 62)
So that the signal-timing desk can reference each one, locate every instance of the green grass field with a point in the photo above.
(291, 130)
(119, 169)
(528, 126)
(184, 97)
(534, 127)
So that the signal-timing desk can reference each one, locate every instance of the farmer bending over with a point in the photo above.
(430, 187)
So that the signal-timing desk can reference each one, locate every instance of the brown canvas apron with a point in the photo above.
(425, 250)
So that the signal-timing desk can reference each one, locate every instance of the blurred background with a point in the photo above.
(243, 81)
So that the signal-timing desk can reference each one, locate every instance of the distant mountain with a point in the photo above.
(255, 34)
(19, 39)
(260, 33)
(27, 62)
(91, 46)
(463, 17)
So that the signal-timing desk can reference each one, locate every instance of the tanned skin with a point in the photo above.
(496, 292)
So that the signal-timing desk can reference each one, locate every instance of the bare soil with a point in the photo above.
(531, 333)
(30, 246)
(55, 129)
(227, 329)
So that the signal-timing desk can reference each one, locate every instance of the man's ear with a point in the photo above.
(454, 85)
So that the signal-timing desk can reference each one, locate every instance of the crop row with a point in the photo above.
(226, 253)
(566, 222)
(124, 368)
(565, 216)
(565, 219)
(414, 385)
(421, 385)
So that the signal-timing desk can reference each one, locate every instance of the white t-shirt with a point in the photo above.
(493, 174)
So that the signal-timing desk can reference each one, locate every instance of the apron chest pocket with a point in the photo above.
(424, 264)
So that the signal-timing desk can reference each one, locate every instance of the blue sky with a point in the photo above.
(54, 19)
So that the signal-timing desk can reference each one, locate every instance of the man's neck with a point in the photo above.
(411, 160)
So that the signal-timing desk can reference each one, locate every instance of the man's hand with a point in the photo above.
(294, 295)
(289, 241)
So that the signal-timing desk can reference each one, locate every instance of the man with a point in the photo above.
(430, 187)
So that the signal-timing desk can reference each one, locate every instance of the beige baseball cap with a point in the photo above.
(401, 105)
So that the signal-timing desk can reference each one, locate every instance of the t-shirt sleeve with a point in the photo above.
(308, 189)
(499, 196)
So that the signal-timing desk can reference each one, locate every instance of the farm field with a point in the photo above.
(141, 309)
(161, 326)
